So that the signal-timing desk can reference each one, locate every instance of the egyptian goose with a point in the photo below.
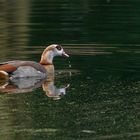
(19, 68)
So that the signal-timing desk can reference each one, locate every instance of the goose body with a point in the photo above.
(20, 69)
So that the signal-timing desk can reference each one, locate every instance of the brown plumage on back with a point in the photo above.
(7, 68)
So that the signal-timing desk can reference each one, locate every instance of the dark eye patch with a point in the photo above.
(58, 47)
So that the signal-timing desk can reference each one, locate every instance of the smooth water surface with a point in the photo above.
(102, 76)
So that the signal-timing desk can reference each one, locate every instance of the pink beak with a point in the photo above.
(64, 54)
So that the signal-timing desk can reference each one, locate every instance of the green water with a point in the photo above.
(103, 71)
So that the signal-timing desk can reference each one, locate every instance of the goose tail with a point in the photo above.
(4, 75)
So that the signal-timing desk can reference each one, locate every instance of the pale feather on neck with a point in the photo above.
(47, 58)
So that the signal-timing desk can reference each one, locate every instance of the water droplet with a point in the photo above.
(69, 65)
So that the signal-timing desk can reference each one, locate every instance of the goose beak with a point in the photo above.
(65, 54)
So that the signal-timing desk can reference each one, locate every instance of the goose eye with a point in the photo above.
(58, 47)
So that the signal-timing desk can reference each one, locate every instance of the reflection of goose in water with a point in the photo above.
(18, 68)
(52, 91)
(20, 85)
(28, 84)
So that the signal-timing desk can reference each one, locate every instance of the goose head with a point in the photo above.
(50, 52)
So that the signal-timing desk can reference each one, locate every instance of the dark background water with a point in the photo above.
(103, 40)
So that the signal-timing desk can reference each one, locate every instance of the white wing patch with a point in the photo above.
(27, 71)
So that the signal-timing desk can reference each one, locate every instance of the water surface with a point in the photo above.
(103, 71)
